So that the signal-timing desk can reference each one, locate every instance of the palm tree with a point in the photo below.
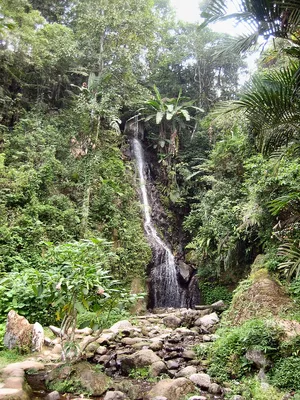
(271, 103)
(262, 18)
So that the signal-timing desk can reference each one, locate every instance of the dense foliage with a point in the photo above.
(72, 74)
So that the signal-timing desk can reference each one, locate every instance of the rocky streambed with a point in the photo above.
(148, 357)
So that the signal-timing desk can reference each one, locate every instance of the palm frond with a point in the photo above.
(278, 18)
(290, 251)
(280, 203)
(271, 107)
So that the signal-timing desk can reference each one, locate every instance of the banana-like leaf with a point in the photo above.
(159, 117)
(186, 115)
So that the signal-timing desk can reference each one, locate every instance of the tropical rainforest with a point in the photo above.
(224, 155)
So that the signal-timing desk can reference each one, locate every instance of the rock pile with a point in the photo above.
(150, 357)
(157, 347)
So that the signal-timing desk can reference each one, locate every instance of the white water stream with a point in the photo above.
(164, 283)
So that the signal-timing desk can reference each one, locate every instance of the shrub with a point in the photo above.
(211, 293)
(286, 373)
(2, 333)
(253, 389)
(227, 355)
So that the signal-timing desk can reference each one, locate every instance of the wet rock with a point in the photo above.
(186, 372)
(37, 337)
(197, 398)
(201, 380)
(174, 389)
(115, 395)
(171, 321)
(18, 332)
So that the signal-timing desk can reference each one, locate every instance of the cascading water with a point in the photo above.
(164, 283)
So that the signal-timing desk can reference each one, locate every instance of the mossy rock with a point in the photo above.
(259, 296)
(78, 378)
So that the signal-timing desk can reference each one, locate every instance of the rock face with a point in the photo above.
(18, 332)
(173, 389)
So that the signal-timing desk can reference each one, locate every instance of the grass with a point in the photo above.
(10, 356)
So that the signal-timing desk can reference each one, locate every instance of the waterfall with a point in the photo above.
(165, 288)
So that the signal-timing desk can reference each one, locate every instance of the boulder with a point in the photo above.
(157, 368)
(185, 271)
(172, 364)
(156, 345)
(141, 358)
(18, 332)
(106, 337)
(94, 382)
(207, 321)
(85, 331)
(121, 326)
(173, 389)
(101, 350)
(53, 396)
(189, 354)
(115, 395)
(201, 380)
(171, 321)
(214, 388)
(258, 358)
(186, 372)
(38, 337)
(219, 305)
